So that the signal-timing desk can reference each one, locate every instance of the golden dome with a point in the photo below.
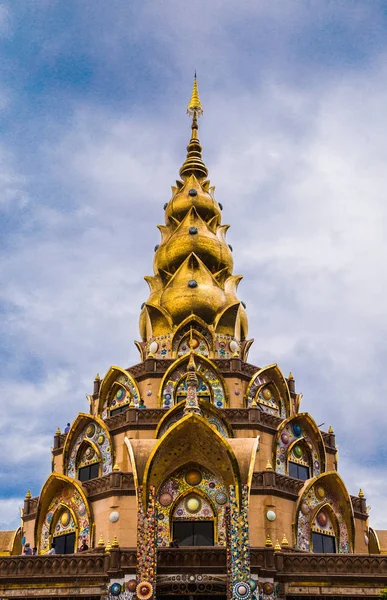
(194, 235)
(192, 194)
(193, 290)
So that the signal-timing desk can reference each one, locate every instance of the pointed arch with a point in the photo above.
(204, 367)
(324, 529)
(198, 325)
(316, 493)
(299, 427)
(100, 438)
(192, 435)
(209, 412)
(60, 490)
(263, 377)
(116, 375)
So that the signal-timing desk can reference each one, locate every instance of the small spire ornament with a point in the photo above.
(268, 543)
(58, 431)
(108, 547)
(191, 401)
(115, 543)
(28, 495)
(291, 376)
(361, 493)
(254, 403)
(97, 377)
(100, 541)
(284, 541)
(277, 546)
(116, 468)
(330, 430)
(269, 466)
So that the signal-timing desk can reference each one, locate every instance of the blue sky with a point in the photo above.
(93, 132)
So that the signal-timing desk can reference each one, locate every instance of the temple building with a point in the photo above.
(194, 472)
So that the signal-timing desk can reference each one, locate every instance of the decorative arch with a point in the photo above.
(60, 526)
(191, 436)
(194, 480)
(299, 428)
(91, 430)
(326, 489)
(60, 492)
(115, 379)
(205, 369)
(212, 414)
(325, 522)
(199, 327)
(272, 379)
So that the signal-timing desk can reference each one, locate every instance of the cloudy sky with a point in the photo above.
(93, 132)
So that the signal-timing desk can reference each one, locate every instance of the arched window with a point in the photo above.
(119, 400)
(88, 462)
(63, 531)
(299, 461)
(193, 340)
(269, 400)
(324, 531)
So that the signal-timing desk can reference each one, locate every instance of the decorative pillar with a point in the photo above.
(239, 571)
(146, 546)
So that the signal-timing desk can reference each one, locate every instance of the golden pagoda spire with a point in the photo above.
(195, 106)
(194, 164)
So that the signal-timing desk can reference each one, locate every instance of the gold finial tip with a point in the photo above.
(277, 546)
(361, 493)
(28, 495)
(97, 377)
(284, 541)
(195, 106)
(269, 466)
(330, 430)
(58, 432)
(115, 543)
(108, 547)
(268, 543)
(116, 467)
(291, 376)
(101, 542)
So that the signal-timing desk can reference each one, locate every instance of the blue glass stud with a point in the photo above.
(142, 305)
(193, 230)
(230, 247)
(156, 247)
(243, 304)
(192, 283)
(193, 193)
(165, 205)
(220, 205)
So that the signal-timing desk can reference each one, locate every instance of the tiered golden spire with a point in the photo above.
(193, 264)
(194, 164)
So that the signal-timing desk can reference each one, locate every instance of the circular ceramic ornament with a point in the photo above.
(320, 492)
(115, 589)
(193, 477)
(65, 519)
(322, 519)
(297, 429)
(90, 431)
(271, 515)
(266, 393)
(234, 346)
(221, 498)
(193, 504)
(114, 516)
(131, 585)
(297, 451)
(267, 588)
(242, 590)
(165, 499)
(144, 590)
(153, 346)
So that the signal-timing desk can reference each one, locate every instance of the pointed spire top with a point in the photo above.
(195, 107)
(194, 164)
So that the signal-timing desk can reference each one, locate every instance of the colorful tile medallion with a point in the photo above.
(129, 393)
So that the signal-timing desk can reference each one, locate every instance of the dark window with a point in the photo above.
(64, 544)
(119, 410)
(323, 543)
(298, 471)
(194, 533)
(89, 472)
